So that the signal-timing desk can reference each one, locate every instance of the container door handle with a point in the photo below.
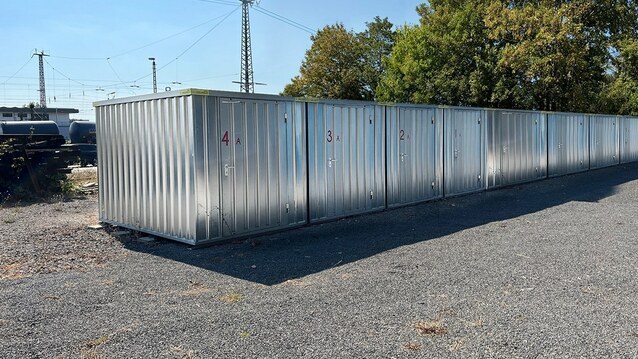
(227, 169)
(330, 160)
(403, 156)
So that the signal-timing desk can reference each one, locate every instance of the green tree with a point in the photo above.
(620, 96)
(343, 64)
(377, 42)
(443, 60)
(548, 58)
(332, 67)
(550, 55)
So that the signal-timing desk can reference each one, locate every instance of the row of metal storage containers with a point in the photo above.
(200, 166)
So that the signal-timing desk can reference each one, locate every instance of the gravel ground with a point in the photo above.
(542, 270)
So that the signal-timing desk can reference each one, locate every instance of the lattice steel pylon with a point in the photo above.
(43, 93)
(246, 81)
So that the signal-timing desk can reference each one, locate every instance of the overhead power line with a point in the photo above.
(267, 12)
(284, 19)
(63, 75)
(192, 45)
(20, 69)
(222, 2)
(139, 47)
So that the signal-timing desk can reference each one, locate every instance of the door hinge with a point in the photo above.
(285, 117)
(287, 208)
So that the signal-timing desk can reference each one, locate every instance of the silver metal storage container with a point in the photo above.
(604, 139)
(346, 164)
(629, 139)
(414, 154)
(199, 166)
(464, 150)
(516, 147)
(567, 143)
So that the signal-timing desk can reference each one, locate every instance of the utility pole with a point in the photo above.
(43, 93)
(154, 75)
(247, 84)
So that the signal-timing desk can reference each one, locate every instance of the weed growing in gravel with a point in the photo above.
(97, 342)
(231, 297)
(9, 220)
(244, 334)
(412, 346)
(89, 350)
(457, 345)
(477, 323)
(430, 328)
(180, 352)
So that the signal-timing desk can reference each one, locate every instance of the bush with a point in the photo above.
(16, 183)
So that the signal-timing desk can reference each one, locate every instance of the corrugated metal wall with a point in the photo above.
(517, 147)
(346, 168)
(464, 150)
(567, 143)
(414, 154)
(261, 165)
(603, 141)
(146, 168)
(199, 166)
(629, 139)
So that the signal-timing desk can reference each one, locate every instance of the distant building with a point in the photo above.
(59, 115)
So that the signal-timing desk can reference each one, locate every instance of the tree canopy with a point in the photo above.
(343, 64)
(545, 55)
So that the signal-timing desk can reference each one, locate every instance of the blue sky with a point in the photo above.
(98, 48)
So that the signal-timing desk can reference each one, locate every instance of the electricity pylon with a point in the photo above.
(246, 81)
(43, 93)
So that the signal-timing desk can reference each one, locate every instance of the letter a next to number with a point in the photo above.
(225, 138)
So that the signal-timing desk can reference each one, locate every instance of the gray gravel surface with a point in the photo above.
(542, 270)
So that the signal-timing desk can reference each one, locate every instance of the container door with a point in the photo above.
(522, 147)
(257, 166)
(346, 164)
(464, 151)
(412, 155)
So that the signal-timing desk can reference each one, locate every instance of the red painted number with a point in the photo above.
(329, 138)
(225, 138)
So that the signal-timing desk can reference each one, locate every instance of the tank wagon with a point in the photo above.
(200, 166)
(83, 138)
(29, 128)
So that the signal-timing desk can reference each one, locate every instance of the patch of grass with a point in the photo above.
(97, 342)
(244, 334)
(430, 328)
(181, 352)
(413, 346)
(230, 297)
(457, 345)
(8, 220)
(13, 271)
(195, 291)
(477, 323)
